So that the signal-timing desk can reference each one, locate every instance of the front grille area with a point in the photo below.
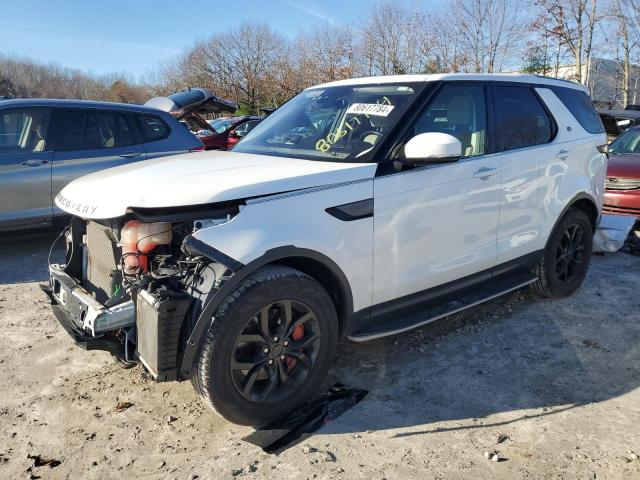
(103, 276)
(621, 183)
(621, 210)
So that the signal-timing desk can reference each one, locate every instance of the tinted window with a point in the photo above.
(459, 110)
(24, 130)
(153, 128)
(91, 130)
(628, 142)
(521, 120)
(246, 127)
(580, 106)
(223, 125)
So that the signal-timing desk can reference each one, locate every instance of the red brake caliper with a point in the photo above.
(297, 334)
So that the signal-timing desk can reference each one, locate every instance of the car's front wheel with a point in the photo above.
(566, 259)
(269, 347)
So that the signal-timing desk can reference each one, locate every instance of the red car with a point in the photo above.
(224, 133)
(622, 194)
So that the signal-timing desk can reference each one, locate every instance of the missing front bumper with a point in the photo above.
(83, 311)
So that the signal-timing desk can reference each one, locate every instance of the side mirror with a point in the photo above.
(432, 147)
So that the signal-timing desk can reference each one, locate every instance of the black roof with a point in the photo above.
(53, 102)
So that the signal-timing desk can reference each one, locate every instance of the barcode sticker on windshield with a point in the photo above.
(375, 109)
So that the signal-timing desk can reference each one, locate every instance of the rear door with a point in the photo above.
(529, 167)
(25, 167)
(91, 140)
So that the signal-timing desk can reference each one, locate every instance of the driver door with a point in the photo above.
(438, 223)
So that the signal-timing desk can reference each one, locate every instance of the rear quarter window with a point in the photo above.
(580, 106)
(152, 127)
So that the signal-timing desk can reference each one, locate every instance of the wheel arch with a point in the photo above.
(315, 264)
(584, 202)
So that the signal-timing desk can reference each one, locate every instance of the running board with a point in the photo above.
(492, 290)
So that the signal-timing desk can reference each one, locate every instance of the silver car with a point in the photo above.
(44, 144)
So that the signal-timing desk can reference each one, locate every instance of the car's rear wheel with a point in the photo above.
(566, 259)
(269, 347)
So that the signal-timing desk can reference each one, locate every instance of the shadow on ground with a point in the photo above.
(24, 256)
(516, 353)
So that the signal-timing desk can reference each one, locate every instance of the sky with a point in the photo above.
(136, 36)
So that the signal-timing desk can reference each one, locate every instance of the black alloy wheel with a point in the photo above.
(269, 346)
(276, 351)
(566, 258)
(571, 253)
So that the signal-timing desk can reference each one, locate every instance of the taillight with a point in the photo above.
(233, 138)
(604, 149)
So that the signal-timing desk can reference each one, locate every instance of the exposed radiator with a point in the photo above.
(102, 276)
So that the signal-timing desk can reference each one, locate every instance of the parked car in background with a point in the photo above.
(622, 195)
(224, 133)
(616, 122)
(190, 106)
(44, 144)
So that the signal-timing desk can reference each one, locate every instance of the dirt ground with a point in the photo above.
(551, 385)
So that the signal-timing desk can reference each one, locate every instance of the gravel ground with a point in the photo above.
(551, 386)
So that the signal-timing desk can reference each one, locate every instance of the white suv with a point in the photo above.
(359, 209)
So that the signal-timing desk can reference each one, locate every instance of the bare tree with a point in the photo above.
(490, 32)
(393, 40)
(573, 23)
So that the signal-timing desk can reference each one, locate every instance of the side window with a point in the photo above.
(152, 127)
(461, 111)
(24, 130)
(90, 130)
(580, 106)
(245, 128)
(521, 120)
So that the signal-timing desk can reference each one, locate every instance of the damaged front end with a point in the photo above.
(136, 286)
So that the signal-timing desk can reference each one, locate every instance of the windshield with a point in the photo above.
(628, 142)
(222, 125)
(342, 123)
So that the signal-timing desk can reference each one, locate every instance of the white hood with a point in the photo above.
(196, 179)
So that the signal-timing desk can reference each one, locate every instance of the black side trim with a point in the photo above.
(194, 247)
(217, 295)
(384, 315)
(352, 211)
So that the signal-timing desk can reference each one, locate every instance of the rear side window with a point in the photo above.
(94, 130)
(153, 128)
(521, 120)
(580, 106)
(24, 130)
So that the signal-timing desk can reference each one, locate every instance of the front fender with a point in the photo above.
(288, 226)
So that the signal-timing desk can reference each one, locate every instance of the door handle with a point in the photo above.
(34, 163)
(485, 172)
(563, 154)
(130, 154)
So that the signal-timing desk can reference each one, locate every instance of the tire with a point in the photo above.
(566, 258)
(259, 304)
(122, 363)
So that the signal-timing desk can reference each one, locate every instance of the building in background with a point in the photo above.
(605, 80)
